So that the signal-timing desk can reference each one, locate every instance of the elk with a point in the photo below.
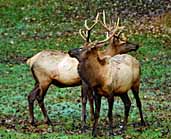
(108, 77)
(58, 68)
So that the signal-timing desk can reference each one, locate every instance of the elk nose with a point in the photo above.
(73, 52)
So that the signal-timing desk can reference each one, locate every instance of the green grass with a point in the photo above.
(27, 27)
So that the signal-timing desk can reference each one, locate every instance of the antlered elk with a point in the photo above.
(109, 77)
(58, 68)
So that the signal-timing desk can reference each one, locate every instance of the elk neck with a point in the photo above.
(111, 51)
(90, 68)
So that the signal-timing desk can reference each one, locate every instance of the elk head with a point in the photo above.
(118, 44)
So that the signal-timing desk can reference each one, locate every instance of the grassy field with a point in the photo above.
(27, 27)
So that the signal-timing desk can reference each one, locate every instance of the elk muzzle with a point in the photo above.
(75, 53)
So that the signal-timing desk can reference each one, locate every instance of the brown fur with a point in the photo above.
(109, 76)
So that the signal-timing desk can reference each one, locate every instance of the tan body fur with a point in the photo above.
(55, 66)
(58, 66)
(121, 72)
(117, 75)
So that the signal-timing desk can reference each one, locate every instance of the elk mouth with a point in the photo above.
(132, 47)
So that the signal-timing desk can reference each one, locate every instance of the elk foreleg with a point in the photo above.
(97, 99)
(135, 91)
(110, 105)
(127, 105)
(91, 102)
(84, 90)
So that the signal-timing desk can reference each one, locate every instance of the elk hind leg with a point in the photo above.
(31, 98)
(40, 99)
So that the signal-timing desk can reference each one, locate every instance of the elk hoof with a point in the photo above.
(48, 122)
(94, 133)
(143, 123)
(123, 127)
(32, 122)
(111, 133)
(92, 118)
(84, 128)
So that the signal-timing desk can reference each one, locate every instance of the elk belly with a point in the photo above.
(67, 71)
(123, 79)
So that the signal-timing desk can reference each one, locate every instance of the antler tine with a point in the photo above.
(111, 31)
(118, 20)
(120, 31)
(104, 22)
(107, 34)
(86, 35)
(124, 37)
(109, 28)
(104, 17)
(82, 34)
(116, 25)
(107, 38)
(92, 26)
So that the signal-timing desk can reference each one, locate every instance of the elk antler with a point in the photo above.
(112, 33)
(109, 28)
(86, 34)
(112, 30)
(103, 23)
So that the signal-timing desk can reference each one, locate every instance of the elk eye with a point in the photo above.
(80, 49)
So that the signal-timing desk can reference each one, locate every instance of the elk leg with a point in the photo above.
(127, 105)
(110, 105)
(135, 91)
(43, 109)
(40, 99)
(84, 102)
(97, 99)
(31, 99)
(91, 102)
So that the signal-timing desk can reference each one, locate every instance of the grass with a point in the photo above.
(29, 27)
